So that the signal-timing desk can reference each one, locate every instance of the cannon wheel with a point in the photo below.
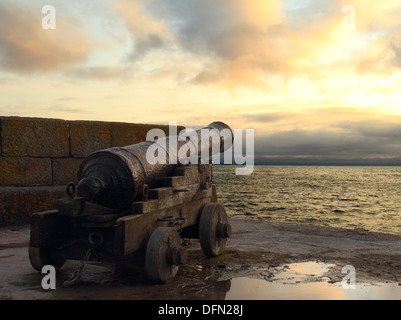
(214, 229)
(40, 257)
(164, 254)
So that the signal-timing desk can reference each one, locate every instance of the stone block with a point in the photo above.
(163, 127)
(17, 204)
(65, 170)
(34, 137)
(89, 136)
(25, 171)
(125, 134)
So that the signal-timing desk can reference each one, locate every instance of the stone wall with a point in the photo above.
(38, 157)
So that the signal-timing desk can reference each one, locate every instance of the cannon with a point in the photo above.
(124, 204)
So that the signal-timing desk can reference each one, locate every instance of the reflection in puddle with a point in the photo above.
(302, 272)
(304, 281)
(297, 281)
(256, 289)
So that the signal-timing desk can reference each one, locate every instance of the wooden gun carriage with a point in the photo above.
(125, 204)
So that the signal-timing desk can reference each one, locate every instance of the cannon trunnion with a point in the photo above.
(181, 204)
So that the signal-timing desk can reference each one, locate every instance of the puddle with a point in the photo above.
(256, 289)
(304, 281)
(310, 271)
(297, 281)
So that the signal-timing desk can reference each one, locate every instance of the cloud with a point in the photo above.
(314, 135)
(231, 38)
(348, 137)
(26, 47)
(223, 43)
(100, 73)
(396, 47)
(254, 43)
(264, 117)
(147, 33)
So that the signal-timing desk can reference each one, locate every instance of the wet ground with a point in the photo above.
(264, 260)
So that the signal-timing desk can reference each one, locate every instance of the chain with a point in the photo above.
(77, 274)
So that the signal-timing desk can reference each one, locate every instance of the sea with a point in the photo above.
(353, 197)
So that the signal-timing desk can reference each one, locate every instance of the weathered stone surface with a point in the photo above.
(65, 170)
(25, 171)
(89, 136)
(125, 134)
(165, 128)
(18, 203)
(34, 137)
(1, 140)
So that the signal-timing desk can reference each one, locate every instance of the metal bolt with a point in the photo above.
(178, 255)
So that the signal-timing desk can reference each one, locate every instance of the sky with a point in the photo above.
(318, 81)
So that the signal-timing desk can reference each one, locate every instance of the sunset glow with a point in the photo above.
(311, 85)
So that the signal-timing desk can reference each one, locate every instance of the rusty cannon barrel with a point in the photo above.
(116, 177)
